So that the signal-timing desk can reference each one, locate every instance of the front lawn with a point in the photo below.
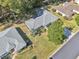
(42, 48)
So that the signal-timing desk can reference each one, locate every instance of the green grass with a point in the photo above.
(42, 49)
(68, 23)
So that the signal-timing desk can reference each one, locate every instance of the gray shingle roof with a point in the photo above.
(43, 20)
(10, 39)
(70, 50)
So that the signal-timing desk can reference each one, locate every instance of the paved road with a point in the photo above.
(70, 50)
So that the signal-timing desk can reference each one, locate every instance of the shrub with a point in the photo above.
(34, 57)
(77, 19)
(56, 32)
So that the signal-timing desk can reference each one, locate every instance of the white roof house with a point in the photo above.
(42, 20)
(10, 39)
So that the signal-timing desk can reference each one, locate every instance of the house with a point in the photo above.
(76, 9)
(76, 1)
(69, 50)
(10, 40)
(42, 21)
(68, 9)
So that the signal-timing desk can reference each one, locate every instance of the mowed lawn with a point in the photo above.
(42, 48)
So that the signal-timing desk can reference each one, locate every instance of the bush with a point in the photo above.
(56, 32)
(77, 19)
(34, 57)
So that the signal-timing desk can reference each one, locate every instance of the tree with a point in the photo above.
(77, 19)
(28, 6)
(55, 32)
(23, 8)
(6, 15)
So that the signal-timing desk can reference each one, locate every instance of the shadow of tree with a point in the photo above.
(24, 36)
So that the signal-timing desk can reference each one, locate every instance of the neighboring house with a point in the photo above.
(76, 1)
(10, 40)
(69, 50)
(76, 10)
(68, 9)
(65, 10)
(42, 21)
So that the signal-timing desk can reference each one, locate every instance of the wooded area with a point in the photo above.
(20, 9)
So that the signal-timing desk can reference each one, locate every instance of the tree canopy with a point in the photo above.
(24, 8)
(56, 32)
(77, 19)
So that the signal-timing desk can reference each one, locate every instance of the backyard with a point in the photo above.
(42, 48)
